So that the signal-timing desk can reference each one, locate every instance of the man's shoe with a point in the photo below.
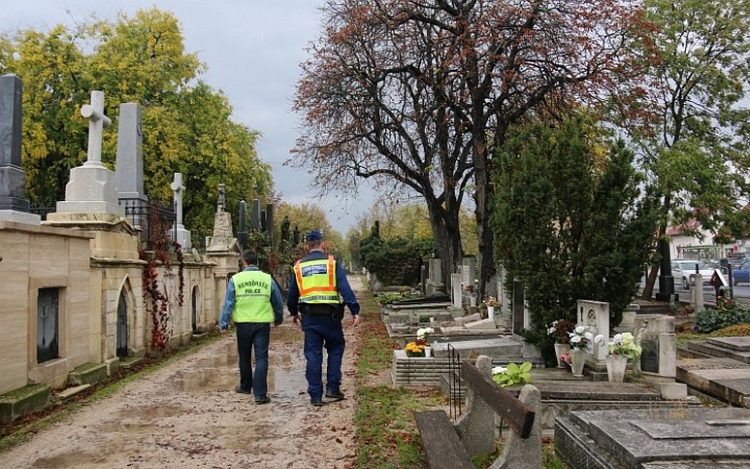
(239, 389)
(316, 401)
(262, 400)
(338, 395)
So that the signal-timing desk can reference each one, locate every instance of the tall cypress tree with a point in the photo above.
(572, 221)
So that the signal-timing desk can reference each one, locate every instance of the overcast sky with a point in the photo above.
(252, 49)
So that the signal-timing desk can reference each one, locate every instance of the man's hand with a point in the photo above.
(295, 321)
(224, 332)
(355, 320)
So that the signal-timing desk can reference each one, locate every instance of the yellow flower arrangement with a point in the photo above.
(414, 349)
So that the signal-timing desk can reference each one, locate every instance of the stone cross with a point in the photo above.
(178, 189)
(94, 112)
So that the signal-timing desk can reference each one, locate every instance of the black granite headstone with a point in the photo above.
(12, 178)
(255, 215)
(242, 233)
(650, 355)
(269, 224)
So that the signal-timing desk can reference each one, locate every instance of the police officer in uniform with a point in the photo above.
(314, 291)
(253, 301)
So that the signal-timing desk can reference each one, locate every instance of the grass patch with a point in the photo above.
(684, 338)
(17, 432)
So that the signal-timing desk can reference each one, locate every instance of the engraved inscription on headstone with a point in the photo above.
(650, 355)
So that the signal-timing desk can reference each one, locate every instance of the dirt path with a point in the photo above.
(187, 415)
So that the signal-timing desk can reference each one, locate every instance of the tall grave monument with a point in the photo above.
(13, 204)
(92, 188)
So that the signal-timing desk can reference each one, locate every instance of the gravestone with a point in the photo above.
(129, 165)
(456, 292)
(504, 299)
(269, 224)
(129, 162)
(92, 188)
(435, 284)
(655, 334)
(183, 235)
(13, 203)
(521, 320)
(223, 239)
(242, 236)
(255, 215)
(679, 437)
(594, 315)
(469, 271)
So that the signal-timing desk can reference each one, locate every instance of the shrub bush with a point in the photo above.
(727, 313)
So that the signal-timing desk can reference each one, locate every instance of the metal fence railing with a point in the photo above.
(454, 382)
(151, 218)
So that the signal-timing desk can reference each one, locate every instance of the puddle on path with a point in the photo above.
(286, 374)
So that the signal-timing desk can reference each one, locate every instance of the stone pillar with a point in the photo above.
(13, 203)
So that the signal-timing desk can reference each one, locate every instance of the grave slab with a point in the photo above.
(496, 347)
(651, 437)
(740, 344)
(482, 324)
(723, 378)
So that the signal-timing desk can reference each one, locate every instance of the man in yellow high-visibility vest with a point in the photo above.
(314, 291)
(253, 301)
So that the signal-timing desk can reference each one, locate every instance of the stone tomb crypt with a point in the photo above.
(73, 302)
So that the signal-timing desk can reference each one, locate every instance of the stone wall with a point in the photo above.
(95, 267)
(35, 257)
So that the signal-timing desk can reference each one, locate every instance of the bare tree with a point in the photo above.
(416, 94)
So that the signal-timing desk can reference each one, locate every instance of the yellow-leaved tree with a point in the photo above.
(187, 125)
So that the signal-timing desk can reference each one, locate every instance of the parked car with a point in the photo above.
(683, 268)
(741, 274)
(736, 259)
(713, 265)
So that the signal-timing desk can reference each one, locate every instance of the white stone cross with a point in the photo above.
(94, 112)
(178, 189)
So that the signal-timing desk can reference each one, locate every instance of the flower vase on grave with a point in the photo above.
(491, 312)
(578, 360)
(616, 366)
(560, 350)
(428, 352)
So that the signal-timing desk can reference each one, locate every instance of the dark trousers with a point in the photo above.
(323, 332)
(253, 336)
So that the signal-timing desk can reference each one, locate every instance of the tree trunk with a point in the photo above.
(447, 242)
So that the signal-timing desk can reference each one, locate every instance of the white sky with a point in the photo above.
(252, 49)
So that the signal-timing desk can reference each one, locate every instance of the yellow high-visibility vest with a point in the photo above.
(316, 280)
(252, 297)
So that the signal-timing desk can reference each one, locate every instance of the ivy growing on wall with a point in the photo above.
(156, 296)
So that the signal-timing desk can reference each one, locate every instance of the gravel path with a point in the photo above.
(187, 415)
